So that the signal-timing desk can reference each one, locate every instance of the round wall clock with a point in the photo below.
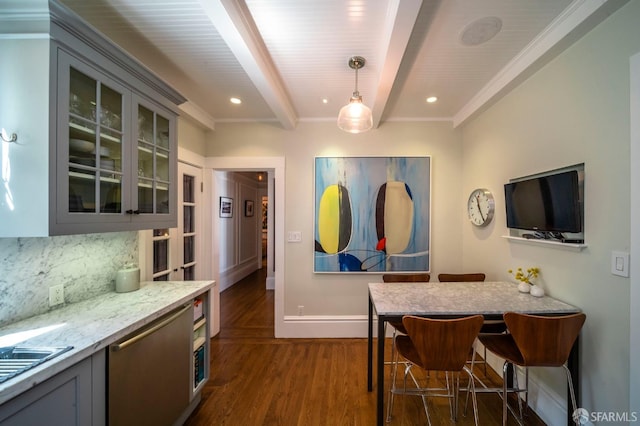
(480, 207)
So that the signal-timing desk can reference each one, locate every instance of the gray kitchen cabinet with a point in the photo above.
(65, 399)
(97, 147)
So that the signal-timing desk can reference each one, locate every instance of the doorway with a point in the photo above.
(274, 168)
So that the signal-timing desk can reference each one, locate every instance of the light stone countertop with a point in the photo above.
(460, 298)
(91, 325)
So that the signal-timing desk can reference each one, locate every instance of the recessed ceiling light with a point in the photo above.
(432, 99)
(325, 100)
(236, 101)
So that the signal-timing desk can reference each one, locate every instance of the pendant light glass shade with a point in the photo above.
(355, 117)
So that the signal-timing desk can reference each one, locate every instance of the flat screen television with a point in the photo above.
(545, 204)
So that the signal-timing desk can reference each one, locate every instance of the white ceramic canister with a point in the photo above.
(128, 279)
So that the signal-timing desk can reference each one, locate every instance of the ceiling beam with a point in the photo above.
(237, 28)
(401, 17)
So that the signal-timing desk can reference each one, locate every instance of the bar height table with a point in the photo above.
(392, 301)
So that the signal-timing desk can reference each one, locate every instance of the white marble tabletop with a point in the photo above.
(460, 298)
(91, 325)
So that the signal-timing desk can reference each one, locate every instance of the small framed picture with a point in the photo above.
(248, 208)
(226, 207)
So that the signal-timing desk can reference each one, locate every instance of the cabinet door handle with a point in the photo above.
(153, 329)
(132, 212)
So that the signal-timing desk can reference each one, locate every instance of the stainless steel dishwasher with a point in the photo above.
(149, 372)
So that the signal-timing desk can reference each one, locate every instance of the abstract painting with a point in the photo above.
(372, 214)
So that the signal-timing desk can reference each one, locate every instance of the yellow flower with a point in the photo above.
(531, 273)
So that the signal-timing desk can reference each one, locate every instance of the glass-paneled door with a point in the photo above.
(189, 222)
(177, 252)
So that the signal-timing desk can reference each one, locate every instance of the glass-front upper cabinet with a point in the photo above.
(116, 154)
(95, 151)
(154, 168)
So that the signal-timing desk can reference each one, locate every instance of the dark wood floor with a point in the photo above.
(259, 380)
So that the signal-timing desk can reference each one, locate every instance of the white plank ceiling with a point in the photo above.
(282, 58)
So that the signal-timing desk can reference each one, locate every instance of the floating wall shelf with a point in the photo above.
(551, 243)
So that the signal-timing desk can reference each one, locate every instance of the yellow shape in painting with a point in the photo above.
(329, 219)
(398, 217)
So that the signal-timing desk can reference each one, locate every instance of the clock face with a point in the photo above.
(480, 207)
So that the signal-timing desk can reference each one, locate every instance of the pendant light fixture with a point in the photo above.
(355, 117)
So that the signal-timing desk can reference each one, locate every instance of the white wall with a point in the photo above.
(24, 110)
(191, 136)
(576, 109)
(340, 294)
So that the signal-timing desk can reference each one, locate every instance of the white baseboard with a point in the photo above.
(324, 326)
(234, 274)
(271, 283)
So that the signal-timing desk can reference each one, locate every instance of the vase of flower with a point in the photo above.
(536, 291)
(525, 285)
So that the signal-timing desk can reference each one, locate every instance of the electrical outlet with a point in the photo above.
(56, 295)
(300, 310)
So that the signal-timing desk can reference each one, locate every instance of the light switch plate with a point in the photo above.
(294, 236)
(620, 263)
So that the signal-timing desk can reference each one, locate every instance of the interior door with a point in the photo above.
(177, 252)
(189, 233)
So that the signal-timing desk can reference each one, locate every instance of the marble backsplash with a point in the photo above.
(85, 264)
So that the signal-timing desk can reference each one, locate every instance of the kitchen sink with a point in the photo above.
(18, 359)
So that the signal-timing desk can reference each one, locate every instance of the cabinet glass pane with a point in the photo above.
(82, 96)
(162, 201)
(111, 150)
(145, 161)
(153, 166)
(110, 193)
(82, 142)
(145, 195)
(162, 132)
(110, 108)
(145, 124)
(162, 165)
(95, 145)
(82, 190)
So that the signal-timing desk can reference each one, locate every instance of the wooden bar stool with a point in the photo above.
(398, 327)
(438, 345)
(489, 326)
(534, 341)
